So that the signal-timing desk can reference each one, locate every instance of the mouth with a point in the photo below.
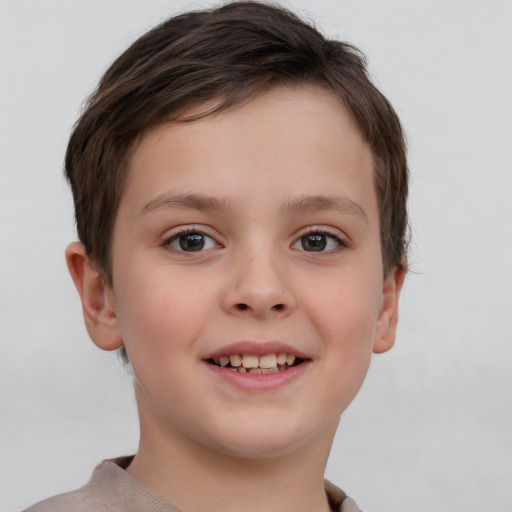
(256, 365)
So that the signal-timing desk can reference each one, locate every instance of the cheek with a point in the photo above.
(345, 321)
(345, 311)
(344, 315)
(159, 316)
(158, 329)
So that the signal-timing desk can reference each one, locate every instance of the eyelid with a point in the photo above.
(328, 231)
(184, 230)
(336, 234)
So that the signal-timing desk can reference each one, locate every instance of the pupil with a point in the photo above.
(192, 242)
(314, 242)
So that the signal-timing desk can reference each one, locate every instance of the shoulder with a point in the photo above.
(92, 497)
(338, 500)
(76, 501)
(110, 489)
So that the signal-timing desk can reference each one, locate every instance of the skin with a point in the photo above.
(256, 280)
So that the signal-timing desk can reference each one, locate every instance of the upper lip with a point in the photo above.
(257, 348)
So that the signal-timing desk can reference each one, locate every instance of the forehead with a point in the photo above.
(288, 138)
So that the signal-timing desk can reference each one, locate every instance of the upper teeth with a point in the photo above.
(250, 361)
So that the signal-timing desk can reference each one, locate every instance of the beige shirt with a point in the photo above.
(112, 489)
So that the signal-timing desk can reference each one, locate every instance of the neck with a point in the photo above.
(194, 477)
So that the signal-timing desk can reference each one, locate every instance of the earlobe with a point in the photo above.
(98, 303)
(388, 315)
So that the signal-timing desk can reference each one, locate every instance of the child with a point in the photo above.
(240, 194)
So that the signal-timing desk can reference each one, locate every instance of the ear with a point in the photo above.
(98, 302)
(388, 315)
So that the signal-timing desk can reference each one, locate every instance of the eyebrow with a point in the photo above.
(188, 201)
(318, 203)
(301, 204)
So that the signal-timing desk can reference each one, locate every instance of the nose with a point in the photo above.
(259, 288)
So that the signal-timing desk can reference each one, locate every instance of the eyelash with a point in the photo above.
(187, 231)
(341, 243)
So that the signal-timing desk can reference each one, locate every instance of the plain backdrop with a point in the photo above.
(432, 427)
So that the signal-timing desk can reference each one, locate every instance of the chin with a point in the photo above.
(263, 449)
(258, 441)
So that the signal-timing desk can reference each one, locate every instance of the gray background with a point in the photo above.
(431, 428)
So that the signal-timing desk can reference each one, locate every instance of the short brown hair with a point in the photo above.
(230, 54)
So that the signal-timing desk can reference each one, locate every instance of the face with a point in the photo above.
(248, 285)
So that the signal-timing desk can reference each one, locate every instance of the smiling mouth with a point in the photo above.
(256, 365)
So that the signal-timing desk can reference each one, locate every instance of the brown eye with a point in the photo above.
(314, 242)
(318, 241)
(191, 242)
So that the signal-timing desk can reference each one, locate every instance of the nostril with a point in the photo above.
(276, 307)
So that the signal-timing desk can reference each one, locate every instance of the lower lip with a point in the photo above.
(255, 382)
